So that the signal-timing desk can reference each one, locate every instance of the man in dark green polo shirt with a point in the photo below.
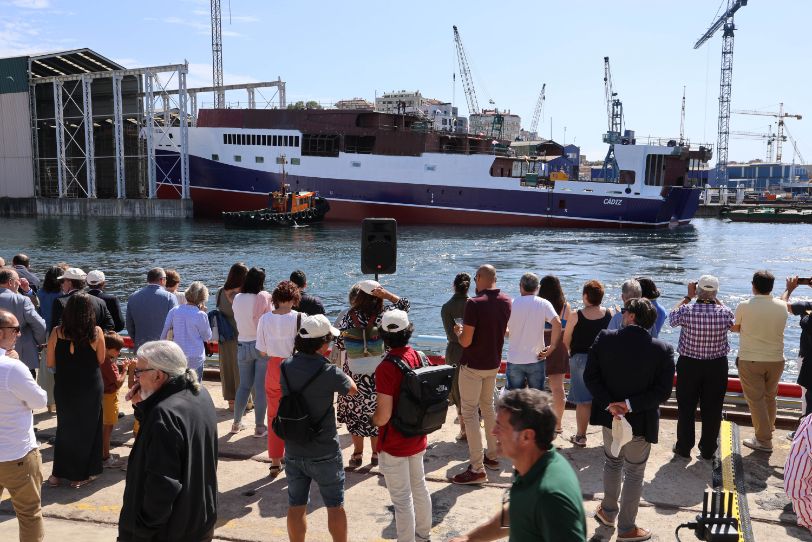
(545, 501)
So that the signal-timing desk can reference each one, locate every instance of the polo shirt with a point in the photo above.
(488, 313)
(546, 503)
(762, 319)
(388, 378)
(528, 314)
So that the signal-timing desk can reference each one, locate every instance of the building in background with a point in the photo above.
(762, 176)
(444, 116)
(355, 103)
(487, 122)
(400, 101)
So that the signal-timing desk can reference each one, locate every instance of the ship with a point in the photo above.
(374, 164)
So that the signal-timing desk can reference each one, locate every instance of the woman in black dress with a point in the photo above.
(75, 351)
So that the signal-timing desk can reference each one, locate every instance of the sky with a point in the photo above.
(327, 51)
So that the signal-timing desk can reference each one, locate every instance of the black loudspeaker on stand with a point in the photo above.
(379, 252)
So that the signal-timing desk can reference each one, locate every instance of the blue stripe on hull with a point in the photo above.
(679, 206)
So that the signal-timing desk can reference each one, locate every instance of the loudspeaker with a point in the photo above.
(379, 246)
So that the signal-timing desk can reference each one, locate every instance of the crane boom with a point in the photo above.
(217, 55)
(465, 75)
(780, 115)
(537, 112)
(731, 10)
(795, 146)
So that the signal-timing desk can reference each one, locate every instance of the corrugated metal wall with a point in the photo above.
(16, 166)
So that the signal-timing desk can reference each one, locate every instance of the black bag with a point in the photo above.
(423, 399)
(293, 421)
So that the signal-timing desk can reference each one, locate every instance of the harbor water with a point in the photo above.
(428, 258)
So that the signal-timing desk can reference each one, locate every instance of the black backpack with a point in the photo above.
(293, 421)
(423, 399)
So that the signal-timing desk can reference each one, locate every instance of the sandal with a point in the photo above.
(578, 440)
(275, 471)
(374, 460)
(356, 460)
(53, 481)
(77, 485)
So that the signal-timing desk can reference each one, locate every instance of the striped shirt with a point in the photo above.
(704, 329)
(798, 473)
(190, 329)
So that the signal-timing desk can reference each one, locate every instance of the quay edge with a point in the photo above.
(85, 207)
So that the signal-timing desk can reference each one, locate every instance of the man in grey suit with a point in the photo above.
(32, 326)
(147, 308)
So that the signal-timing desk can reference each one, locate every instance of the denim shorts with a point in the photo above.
(578, 391)
(327, 472)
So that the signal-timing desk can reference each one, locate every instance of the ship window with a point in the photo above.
(359, 144)
(296, 141)
(225, 139)
(627, 176)
(237, 158)
(270, 141)
(253, 139)
(215, 157)
(562, 204)
(274, 140)
(262, 140)
(655, 169)
(259, 159)
(320, 145)
(287, 141)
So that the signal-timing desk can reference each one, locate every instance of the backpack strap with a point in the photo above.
(400, 364)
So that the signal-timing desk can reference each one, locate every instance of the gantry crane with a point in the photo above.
(780, 115)
(539, 107)
(614, 114)
(725, 81)
(217, 55)
(770, 137)
(465, 75)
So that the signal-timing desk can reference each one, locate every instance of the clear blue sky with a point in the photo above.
(332, 50)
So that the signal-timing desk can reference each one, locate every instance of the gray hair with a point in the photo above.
(197, 293)
(706, 295)
(529, 282)
(167, 357)
(631, 289)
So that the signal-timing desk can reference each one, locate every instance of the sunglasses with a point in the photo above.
(137, 372)
(15, 328)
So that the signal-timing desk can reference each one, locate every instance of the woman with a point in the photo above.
(452, 311)
(558, 363)
(582, 328)
(76, 352)
(276, 333)
(251, 363)
(47, 294)
(356, 411)
(190, 326)
(229, 374)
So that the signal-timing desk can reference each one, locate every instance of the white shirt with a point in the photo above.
(526, 325)
(19, 395)
(276, 333)
(181, 297)
(243, 308)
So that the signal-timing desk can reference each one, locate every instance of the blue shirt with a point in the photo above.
(146, 313)
(46, 305)
(190, 329)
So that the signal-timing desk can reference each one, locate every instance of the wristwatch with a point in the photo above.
(687, 298)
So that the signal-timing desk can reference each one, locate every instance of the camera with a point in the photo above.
(807, 280)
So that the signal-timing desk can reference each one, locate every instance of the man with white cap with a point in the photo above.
(311, 375)
(96, 283)
(76, 278)
(701, 365)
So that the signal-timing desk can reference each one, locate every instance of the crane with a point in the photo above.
(725, 81)
(770, 137)
(465, 75)
(795, 146)
(780, 115)
(217, 55)
(610, 172)
(682, 119)
(539, 107)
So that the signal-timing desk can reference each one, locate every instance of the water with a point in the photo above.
(428, 258)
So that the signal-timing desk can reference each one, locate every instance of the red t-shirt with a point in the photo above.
(109, 373)
(488, 313)
(388, 378)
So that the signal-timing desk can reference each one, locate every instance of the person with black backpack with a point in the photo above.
(412, 401)
(306, 421)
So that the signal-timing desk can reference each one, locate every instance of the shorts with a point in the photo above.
(327, 472)
(110, 409)
(579, 393)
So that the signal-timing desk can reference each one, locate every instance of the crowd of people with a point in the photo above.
(281, 357)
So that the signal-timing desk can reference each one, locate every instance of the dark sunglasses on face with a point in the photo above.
(15, 328)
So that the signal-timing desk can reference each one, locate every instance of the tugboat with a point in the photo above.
(287, 209)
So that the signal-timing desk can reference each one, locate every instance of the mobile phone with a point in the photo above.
(805, 280)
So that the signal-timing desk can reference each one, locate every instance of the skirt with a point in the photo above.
(356, 411)
(559, 362)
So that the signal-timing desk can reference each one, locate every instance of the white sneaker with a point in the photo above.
(236, 428)
(757, 445)
(113, 462)
(260, 431)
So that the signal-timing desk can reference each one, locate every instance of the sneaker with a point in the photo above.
(260, 431)
(600, 517)
(236, 428)
(492, 464)
(791, 436)
(637, 534)
(757, 445)
(470, 477)
(113, 462)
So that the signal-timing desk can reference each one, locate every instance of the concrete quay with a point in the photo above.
(252, 507)
(85, 207)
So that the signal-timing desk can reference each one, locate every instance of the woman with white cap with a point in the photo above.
(360, 340)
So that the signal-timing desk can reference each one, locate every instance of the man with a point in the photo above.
(482, 336)
(630, 289)
(701, 366)
(319, 460)
(21, 262)
(73, 279)
(400, 456)
(309, 304)
(171, 488)
(20, 461)
(527, 351)
(545, 502)
(96, 282)
(32, 326)
(760, 321)
(147, 308)
(629, 374)
(798, 473)
(804, 310)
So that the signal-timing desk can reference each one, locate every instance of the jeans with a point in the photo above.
(476, 395)
(252, 366)
(406, 482)
(327, 472)
(632, 464)
(518, 373)
(199, 372)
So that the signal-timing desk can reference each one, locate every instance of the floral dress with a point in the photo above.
(356, 411)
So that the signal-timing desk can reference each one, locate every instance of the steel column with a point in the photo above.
(193, 100)
(149, 113)
(60, 138)
(252, 101)
(90, 151)
(118, 138)
(184, 135)
(282, 97)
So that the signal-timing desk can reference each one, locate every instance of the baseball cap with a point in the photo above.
(73, 273)
(95, 277)
(316, 326)
(708, 283)
(394, 321)
(368, 285)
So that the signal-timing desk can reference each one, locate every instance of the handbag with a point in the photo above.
(363, 346)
